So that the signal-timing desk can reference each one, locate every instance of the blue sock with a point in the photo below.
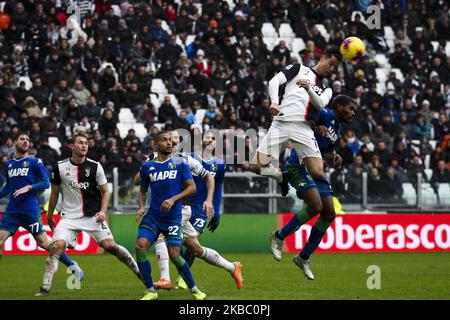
(314, 239)
(290, 227)
(64, 258)
(184, 271)
(145, 268)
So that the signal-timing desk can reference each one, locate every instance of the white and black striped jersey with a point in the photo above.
(295, 101)
(79, 184)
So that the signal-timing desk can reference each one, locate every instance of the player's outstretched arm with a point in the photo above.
(319, 102)
(52, 205)
(137, 179)
(273, 88)
(101, 215)
(208, 204)
(142, 199)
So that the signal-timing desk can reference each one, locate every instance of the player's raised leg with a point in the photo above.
(212, 257)
(51, 266)
(145, 239)
(307, 190)
(122, 254)
(272, 143)
(162, 255)
(183, 269)
(44, 242)
(318, 230)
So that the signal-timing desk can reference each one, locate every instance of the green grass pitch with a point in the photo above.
(338, 276)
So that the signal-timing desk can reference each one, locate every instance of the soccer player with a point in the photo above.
(170, 180)
(26, 177)
(85, 198)
(196, 215)
(303, 87)
(316, 192)
(199, 216)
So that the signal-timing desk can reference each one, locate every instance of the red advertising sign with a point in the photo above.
(23, 242)
(378, 233)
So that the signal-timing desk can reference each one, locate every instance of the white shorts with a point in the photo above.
(187, 229)
(281, 132)
(68, 229)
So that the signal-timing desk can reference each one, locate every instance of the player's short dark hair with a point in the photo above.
(342, 100)
(80, 134)
(159, 134)
(21, 133)
(333, 51)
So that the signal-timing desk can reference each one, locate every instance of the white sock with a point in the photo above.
(51, 266)
(163, 258)
(272, 172)
(126, 258)
(213, 257)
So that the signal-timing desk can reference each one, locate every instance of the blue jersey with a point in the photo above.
(216, 168)
(328, 119)
(23, 172)
(165, 179)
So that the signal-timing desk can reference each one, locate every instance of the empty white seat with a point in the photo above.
(189, 39)
(2, 6)
(54, 143)
(158, 86)
(298, 45)
(433, 143)
(268, 30)
(382, 60)
(447, 48)
(231, 4)
(429, 173)
(286, 31)
(200, 115)
(409, 193)
(381, 75)
(165, 27)
(126, 116)
(117, 11)
(429, 197)
(444, 193)
(270, 42)
(389, 33)
(141, 131)
(435, 45)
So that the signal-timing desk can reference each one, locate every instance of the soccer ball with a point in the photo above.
(352, 48)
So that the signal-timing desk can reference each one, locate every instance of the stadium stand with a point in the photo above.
(129, 64)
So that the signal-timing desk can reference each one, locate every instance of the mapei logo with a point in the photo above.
(18, 172)
(332, 134)
(79, 185)
(163, 175)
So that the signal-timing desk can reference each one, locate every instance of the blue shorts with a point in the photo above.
(11, 222)
(151, 227)
(302, 181)
(198, 217)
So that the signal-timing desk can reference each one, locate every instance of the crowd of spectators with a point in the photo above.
(82, 82)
